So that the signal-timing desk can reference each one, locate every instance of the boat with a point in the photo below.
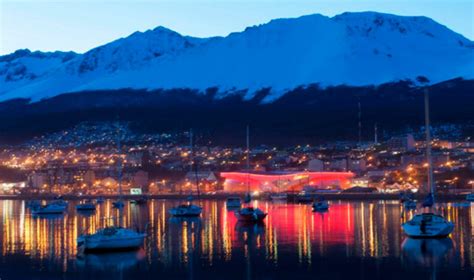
(111, 238)
(250, 214)
(321, 206)
(409, 204)
(100, 200)
(429, 224)
(233, 202)
(188, 209)
(86, 206)
(470, 197)
(118, 204)
(51, 208)
(279, 197)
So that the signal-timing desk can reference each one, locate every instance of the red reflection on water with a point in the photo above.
(287, 221)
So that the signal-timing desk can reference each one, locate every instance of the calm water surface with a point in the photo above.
(354, 240)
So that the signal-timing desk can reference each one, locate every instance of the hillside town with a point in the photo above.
(76, 163)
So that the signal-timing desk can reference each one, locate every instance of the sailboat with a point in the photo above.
(249, 213)
(428, 225)
(87, 205)
(111, 237)
(321, 205)
(189, 209)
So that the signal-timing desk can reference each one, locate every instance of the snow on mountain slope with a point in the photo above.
(23, 66)
(352, 48)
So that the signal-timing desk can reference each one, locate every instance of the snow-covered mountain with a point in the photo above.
(352, 48)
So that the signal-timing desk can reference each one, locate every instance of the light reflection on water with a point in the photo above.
(360, 240)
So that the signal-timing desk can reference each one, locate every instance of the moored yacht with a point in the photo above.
(51, 208)
(321, 206)
(86, 206)
(250, 214)
(111, 238)
(186, 210)
(428, 225)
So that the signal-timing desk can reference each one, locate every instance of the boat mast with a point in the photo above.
(428, 143)
(248, 160)
(193, 164)
(119, 165)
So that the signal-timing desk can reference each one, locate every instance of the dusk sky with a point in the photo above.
(80, 25)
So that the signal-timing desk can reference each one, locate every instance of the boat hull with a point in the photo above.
(428, 230)
(110, 244)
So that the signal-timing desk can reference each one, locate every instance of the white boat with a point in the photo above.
(409, 204)
(470, 197)
(86, 206)
(428, 225)
(250, 214)
(279, 197)
(51, 208)
(321, 206)
(233, 202)
(186, 210)
(111, 238)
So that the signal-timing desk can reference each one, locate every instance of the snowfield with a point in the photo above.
(355, 49)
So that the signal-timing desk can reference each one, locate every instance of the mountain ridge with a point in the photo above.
(366, 48)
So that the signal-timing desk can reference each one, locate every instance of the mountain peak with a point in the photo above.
(357, 49)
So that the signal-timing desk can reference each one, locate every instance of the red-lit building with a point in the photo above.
(284, 181)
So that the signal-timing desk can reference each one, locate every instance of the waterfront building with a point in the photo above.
(284, 181)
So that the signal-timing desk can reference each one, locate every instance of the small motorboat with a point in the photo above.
(250, 214)
(118, 204)
(470, 197)
(86, 206)
(409, 204)
(321, 206)
(51, 208)
(111, 238)
(186, 210)
(233, 202)
(279, 197)
(428, 225)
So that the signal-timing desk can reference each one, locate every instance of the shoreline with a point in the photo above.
(223, 196)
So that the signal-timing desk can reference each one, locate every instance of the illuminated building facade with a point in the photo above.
(284, 181)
